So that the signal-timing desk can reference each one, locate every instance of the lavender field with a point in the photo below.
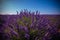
(29, 26)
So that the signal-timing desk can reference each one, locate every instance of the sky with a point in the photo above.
(50, 7)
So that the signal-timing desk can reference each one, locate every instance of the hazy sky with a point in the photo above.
(44, 6)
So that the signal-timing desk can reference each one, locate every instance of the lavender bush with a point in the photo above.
(27, 26)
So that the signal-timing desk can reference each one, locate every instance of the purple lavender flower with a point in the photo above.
(27, 36)
(28, 26)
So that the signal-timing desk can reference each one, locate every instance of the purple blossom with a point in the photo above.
(27, 36)
(29, 25)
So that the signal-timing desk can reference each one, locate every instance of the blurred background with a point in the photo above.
(48, 7)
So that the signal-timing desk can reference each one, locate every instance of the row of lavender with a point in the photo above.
(28, 26)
